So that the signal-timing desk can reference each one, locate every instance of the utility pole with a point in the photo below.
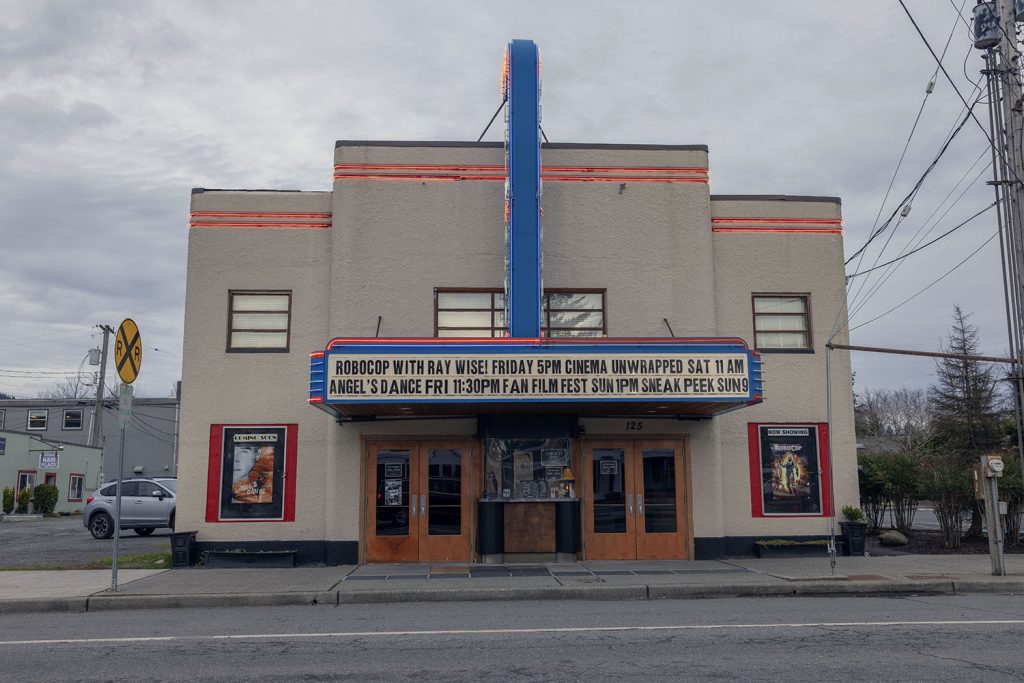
(996, 33)
(97, 420)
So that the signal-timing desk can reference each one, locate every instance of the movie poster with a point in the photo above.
(790, 470)
(252, 473)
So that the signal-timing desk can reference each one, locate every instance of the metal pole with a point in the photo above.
(831, 491)
(995, 525)
(117, 512)
(97, 419)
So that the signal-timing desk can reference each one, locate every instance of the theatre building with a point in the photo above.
(488, 352)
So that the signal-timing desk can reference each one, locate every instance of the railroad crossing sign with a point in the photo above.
(128, 351)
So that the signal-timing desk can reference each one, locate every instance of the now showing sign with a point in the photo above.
(536, 375)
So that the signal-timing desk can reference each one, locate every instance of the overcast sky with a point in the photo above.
(110, 112)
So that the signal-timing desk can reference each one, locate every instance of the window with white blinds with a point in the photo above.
(782, 322)
(259, 321)
(481, 313)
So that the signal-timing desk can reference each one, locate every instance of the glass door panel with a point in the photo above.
(609, 490)
(658, 500)
(444, 492)
(392, 502)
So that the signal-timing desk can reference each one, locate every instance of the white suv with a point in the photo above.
(146, 504)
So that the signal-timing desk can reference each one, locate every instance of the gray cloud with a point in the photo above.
(111, 111)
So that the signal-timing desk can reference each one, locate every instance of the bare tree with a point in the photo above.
(71, 386)
(902, 414)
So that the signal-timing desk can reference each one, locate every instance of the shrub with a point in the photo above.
(947, 484)
(44, 499)
(901, 477)
(853, 514)
(8, 500)
(24, 498)
(871, 482)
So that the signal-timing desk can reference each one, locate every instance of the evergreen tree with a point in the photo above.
(966, 405)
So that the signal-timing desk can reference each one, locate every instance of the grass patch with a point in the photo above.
(139, 561)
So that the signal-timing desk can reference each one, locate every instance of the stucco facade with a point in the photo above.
(406, 219)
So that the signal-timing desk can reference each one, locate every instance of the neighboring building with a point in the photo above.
(27, 460)
(595, 433)
(150, 441)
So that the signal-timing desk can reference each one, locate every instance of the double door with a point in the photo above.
(635, 500)
(417, 506)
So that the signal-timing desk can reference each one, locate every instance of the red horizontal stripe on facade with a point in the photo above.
(544, 169)
(775, 221)
(538, 341)
(256, 214)
(501, 178)
(255, 224)
(795, 231)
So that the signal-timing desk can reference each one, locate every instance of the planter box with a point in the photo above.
(273, 559)
(791, 550)
(853, 534)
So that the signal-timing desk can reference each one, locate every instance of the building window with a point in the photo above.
(481, 313)
(259, 321)
(3, 418)
(72, 419)
(26, 480)
(75, 485)
(37, 419)
(782, 322)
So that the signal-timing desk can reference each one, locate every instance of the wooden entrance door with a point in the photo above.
(417, 501)
(635, 500)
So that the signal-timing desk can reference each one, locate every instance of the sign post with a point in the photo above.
(128, 361)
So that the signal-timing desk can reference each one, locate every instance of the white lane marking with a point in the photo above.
(509, 631)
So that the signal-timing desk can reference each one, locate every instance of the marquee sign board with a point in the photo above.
(426, 372)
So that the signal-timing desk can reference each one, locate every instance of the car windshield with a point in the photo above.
(169, 484)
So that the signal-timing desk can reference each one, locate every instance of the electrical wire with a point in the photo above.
(930, 285)
(928, 244)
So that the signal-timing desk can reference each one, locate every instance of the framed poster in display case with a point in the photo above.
(251, 474)
(789, 470)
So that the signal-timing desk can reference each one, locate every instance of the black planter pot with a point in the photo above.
(853, 535)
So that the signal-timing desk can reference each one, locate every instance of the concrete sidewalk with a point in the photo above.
(906, 574)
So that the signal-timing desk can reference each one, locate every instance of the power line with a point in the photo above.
(927, 244)
(930, 285)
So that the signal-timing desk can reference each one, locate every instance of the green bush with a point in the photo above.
(8, 500)
(853, 514)
(946, 483)
(891, 480)
(44, 499)
(871, 482)
(24, 498)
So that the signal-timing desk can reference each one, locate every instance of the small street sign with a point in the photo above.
(128, 351)
(124, 412)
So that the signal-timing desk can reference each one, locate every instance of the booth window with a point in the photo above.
(72, 419)
(259, 320)
(481, 313)
(528, 469)
(37, 420)
(782, 322)
(75, 485)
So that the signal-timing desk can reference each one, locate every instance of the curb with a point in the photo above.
(503, 594)
(16, 605)
(101, 602)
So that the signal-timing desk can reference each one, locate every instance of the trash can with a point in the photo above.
(182, 545)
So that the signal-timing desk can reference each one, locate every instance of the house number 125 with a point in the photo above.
(634, 426)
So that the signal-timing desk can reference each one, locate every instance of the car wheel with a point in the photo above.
(101, 526)
(144, 531)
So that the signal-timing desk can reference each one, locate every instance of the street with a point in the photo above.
(64, 541)
(911, 638)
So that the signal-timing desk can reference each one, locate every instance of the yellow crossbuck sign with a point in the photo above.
(128, 351)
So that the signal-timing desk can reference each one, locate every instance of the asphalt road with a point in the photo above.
(63, 540)
(771, 639)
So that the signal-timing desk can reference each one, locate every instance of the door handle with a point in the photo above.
(639, 503)
(413, 505)
(423, 505)
(629, 503)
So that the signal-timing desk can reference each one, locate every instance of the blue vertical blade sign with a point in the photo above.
(521, 82)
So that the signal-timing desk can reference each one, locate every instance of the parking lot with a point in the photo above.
(64, 541)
